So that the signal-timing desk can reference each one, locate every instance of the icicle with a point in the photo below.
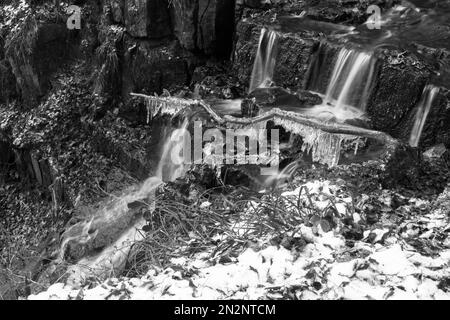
(324, 147)
(165, 105)
(148, 105)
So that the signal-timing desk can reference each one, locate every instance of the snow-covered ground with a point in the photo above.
(382, 265)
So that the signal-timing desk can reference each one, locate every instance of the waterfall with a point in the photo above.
(265, 60)
(349, 86)
(423, 109)
(351, 79)
(116, 217)
(169, 168)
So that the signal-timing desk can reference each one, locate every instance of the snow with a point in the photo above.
(324, 268)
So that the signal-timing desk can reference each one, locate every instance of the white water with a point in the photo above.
(423, 109)
(112, 260)
(265, 60)
(169, 168)
(282, 176)
(349, 87)
(351, 79)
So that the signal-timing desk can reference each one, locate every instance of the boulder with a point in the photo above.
(397, 90)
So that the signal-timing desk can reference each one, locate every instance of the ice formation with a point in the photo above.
(324, 147)
(165, 105)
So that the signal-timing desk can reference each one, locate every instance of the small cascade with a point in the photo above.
(116, 217)
(282, 176)
(265, 60)
(169, 168)
(351, 79)
(320, 68)
(423, 109)
(349, 86)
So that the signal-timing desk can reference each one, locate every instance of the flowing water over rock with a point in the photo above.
(429, 94)
(120, 217)
(348, 87)
(169, 168)
(265, 59)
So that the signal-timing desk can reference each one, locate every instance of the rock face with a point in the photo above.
(34, 53)
(7, 81)
(397, 90)
(292, 62)
(144, 18)
(152, 68)
(204, 25)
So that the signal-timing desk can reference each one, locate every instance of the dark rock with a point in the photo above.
(115, 144)
(249, 108)
(35, 55)
(322, 65)
(397, 90)
(307, 98)
(152, 67)
(147, 18)
(279, 98)
(437, 126)
(292, 61)
(362, 123)
(134, 110)
(346, 11)
(109, 55)
(204, 26)
(117, 10)
(7, 82)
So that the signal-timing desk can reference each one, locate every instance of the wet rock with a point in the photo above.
(435, 152)
(279, 97)
(88, 237)
(396, 91)
(292, 61)
(437, 126)
(350, 12)
(249, 108)
(322, 65)
(362, 123)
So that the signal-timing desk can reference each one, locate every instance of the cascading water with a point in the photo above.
(265, 60)
(170, 169)
(117, 215)
(349, 86)
(350, 82)
(423, 109)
